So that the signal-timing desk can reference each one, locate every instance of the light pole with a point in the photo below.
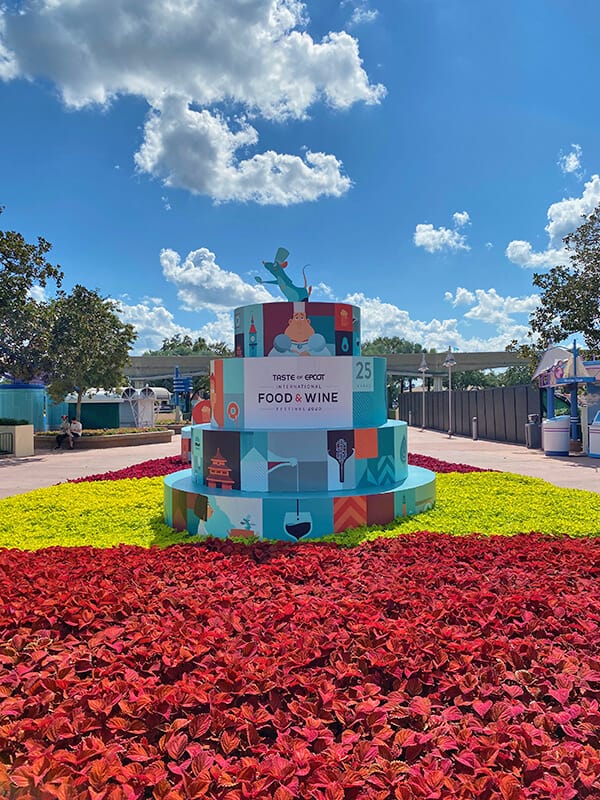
(449, 362)
(423, 369)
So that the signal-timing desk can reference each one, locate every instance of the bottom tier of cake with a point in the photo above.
(306, 515)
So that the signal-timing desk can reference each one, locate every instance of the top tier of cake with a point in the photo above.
(297, 329)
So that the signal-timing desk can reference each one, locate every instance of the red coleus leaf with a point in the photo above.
(420, 706)
(141, 752)
(229, 742)
(561, 695)
(100, 772)
(510, 788)
(65, 790)
(481, 707)
(281, 793)
(176, 744)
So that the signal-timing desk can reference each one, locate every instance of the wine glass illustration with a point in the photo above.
(297, 523)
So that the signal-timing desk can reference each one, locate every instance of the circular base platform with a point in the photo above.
(287, 516)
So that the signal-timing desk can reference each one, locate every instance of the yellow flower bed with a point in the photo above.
(107, 513)
(496, 503)
(101, 513)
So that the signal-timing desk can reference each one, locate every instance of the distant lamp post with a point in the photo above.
(423, 369)
(449, 362)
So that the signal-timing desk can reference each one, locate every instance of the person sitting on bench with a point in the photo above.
(76, 429)
(65, 432)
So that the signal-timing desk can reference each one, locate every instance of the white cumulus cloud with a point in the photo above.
(198, 151)
(461, 218)
(488, 306)
(362, 13)
(186, 57)
(153, 323)
(202, 284)
(37, 293)
(523, 254)
(379, 318)
(564, 217)
(436, 240)
(570, 163)
(461, 296)
(253, 52)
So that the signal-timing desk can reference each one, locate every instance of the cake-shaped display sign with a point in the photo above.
(298, 444)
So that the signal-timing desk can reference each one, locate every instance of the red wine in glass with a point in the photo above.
(298, 523)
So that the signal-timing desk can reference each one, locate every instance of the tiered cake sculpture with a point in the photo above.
(299, 445)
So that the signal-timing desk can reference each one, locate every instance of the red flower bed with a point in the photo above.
(152, 468)
(437, 465)
(420, 667)
(165, 466)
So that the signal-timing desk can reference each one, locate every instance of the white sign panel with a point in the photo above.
(298, 392)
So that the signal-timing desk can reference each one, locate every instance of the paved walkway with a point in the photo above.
(45, 468)
(571, 472)
(48, 467)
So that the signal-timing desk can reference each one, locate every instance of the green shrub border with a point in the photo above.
(107, 431)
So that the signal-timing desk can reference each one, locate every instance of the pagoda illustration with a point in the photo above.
(302, 417)
(219, 473)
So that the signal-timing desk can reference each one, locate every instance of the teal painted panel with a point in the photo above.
(24, 403)
(197, 450)
(97, 415)
(168, 505)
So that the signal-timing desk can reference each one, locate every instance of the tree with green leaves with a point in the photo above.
(179, 345)
(473, 379)
(570, 296)
(89, 344)
(388, 345)
(516, 376)
(24, 322)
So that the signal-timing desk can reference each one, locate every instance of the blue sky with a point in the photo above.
(424, 157)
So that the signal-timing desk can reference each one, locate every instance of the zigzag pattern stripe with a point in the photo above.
(349, 512)
(386, 473)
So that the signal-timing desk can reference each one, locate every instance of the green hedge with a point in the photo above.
(105, 431)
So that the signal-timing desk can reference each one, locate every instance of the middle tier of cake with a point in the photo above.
(300, 460)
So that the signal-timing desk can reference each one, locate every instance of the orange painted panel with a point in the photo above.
(216, 392)
(365, 443)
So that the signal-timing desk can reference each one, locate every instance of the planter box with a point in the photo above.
(176, 427)
(115, 440)
(22, 439)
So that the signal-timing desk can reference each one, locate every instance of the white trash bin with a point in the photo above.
(556, 434)
(594, 437)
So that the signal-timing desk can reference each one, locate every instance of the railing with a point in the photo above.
(7, 445)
